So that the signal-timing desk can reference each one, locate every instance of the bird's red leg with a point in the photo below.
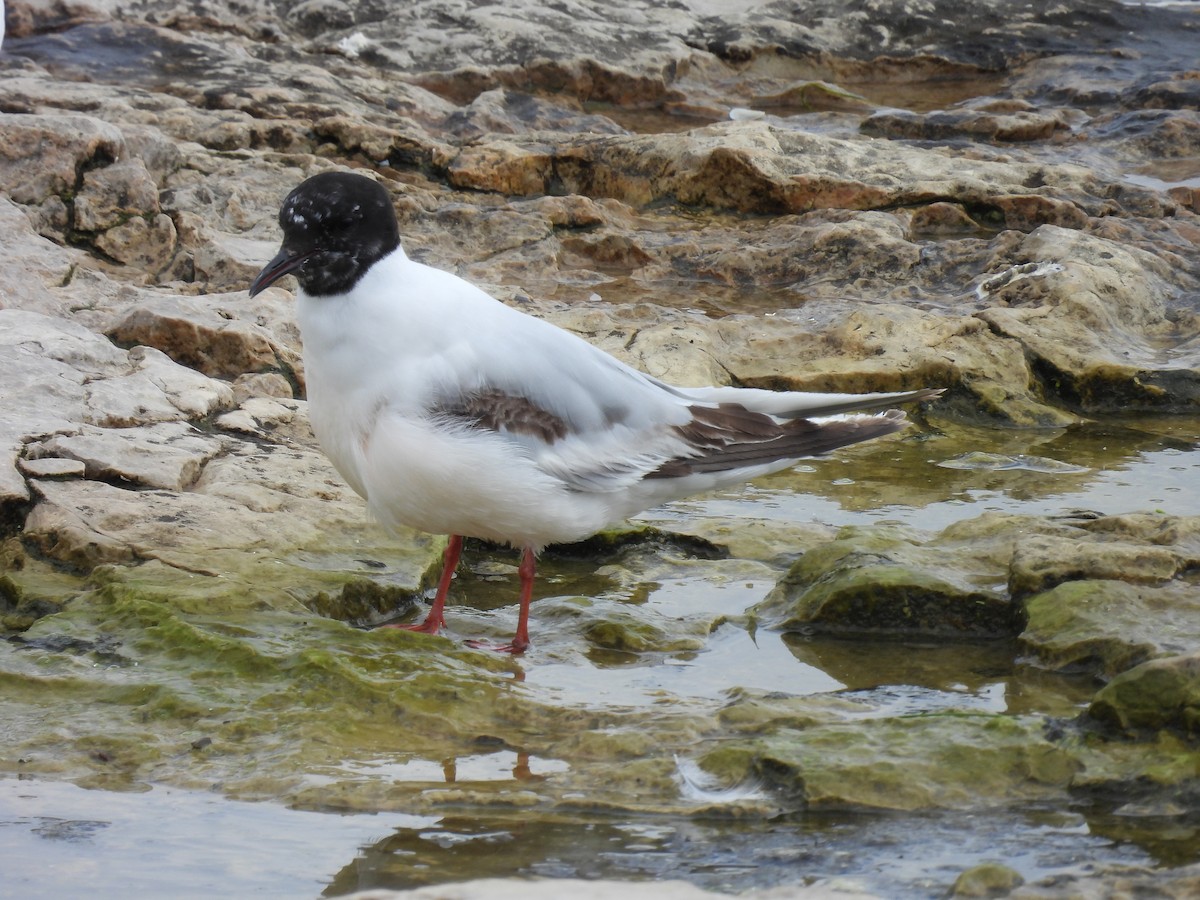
(520, 641)
(436, 621)
(527, 571)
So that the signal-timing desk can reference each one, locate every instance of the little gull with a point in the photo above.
(455, 414)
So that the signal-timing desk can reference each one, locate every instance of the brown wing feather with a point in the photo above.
(494, 410)
(730, 436)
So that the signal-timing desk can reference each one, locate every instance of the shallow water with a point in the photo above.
(62, 840)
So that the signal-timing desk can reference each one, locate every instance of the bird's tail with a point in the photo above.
(798, 405)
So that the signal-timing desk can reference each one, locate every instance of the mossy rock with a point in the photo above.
(363, 602)
(1160, 694)
(871, 595)
(989, 879)
(1107, 627)
(949, 760)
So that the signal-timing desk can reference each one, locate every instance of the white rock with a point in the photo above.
(165, 455)
(52, 467)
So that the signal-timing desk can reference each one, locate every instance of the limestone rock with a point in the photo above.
(154, 389)
(52, 467)
(254, 514)
(991, 122)
(223, 337)
(110, 195)
(282, 418)
(755, 167)
(33, 266)
(143, 243)
(512, 112)
(42, 155)
(59, 376)
(1092, 323)
(1123, 548)
(166, 455)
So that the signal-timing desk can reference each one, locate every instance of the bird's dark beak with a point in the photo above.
(285, 262)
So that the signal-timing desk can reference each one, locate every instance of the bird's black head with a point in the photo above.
(336, 225)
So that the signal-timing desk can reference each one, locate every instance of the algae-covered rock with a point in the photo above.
(990, 879)
(905, 763)
(1156, 774)
(1159, 694)
(753, 712)
(131, 666)
(865, 594)
(1044, 561)
(1108, 626)
(636, 636)
(885, 582)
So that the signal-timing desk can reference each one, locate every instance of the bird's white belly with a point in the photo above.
(466, 481)
(472, 482)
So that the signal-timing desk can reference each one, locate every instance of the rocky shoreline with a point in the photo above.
(1002, 203)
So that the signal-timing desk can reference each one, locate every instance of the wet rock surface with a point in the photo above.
(1000, 201)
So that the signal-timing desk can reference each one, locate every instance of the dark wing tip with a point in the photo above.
(732, 437)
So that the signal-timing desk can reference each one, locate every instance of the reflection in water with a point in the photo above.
(698, 786)
(904, 677)
(904, 856)
(499, 766)
(1170, 835)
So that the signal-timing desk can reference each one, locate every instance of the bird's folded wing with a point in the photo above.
(710, 439)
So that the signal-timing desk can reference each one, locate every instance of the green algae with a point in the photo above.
(1156, 695)
(885, 581)
(29, 588)
(1108, 626)
(989, 879)
(906, 763)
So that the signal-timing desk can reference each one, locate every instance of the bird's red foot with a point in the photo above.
(516, 646)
